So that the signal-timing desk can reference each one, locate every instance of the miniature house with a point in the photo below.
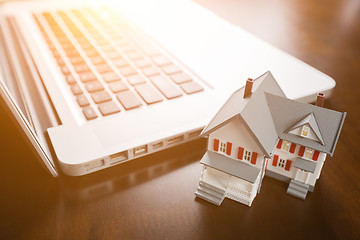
(259, 131)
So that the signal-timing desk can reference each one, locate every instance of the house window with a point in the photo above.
(286, 145)
(309, 153)
(281, 163)
(247, 155)
(305, 131)
(222, 147)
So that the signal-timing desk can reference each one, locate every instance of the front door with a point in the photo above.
(301, 176)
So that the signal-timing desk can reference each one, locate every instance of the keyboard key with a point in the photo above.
(135, 55)
(180, 78)
(110, 77)
(149, 50)
(126, 71)
(65, 70)
(89, 113)
(128, 99)
(100, 97)
(82, 100)
(94, 86)
(191, 87)
(60, 62)
(150, 71)
(120, 63)
(148, 93)
(161, 60)
(82, 68)
(87, 77)
(102, 68)
(135, 79)
(108, 48)
(128, 48)
(72, 53)
(141, 63)
(77, 60)
(92, 53)
(108, 108)
(70, 79)
(171, 69)
(76, 90)
(117, 86)
(166, 87)
(97, 60)
(114, 55)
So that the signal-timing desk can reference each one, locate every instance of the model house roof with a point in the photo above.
(269, 115)
(253, 111)
(288, 114)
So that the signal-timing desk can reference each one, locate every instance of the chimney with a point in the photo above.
(248, 87)
(320, 99)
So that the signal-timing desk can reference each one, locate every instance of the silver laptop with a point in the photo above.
(95, 84)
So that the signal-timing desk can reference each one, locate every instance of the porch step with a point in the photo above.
(210, 193)
(298, 189)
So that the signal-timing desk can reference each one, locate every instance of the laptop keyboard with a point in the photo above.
(108, 66)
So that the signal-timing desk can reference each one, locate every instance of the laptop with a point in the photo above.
(94, 84)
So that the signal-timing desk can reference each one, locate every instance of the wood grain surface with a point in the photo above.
(153, 197)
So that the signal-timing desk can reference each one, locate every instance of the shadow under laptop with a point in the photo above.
(117, 179)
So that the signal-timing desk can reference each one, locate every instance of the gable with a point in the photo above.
(253, 111)
(307, 128)
(305, 131)
(236, 132)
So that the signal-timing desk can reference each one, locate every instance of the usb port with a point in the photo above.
(195, 134)
(174, 140)
(96, 164)
(140, 150)
(157, 145)
(118, 157)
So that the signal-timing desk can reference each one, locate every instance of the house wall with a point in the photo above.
(295, 173)
(238, 134)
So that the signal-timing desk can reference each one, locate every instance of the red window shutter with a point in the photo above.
(253, 157)
(240, 153)
(301, 151)
(228, 148)
(287, 165)
(275, 160)
(216, 144)
(292, 147)
(279, 144)
(316, 155)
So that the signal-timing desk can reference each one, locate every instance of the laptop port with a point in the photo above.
(118, 157)
(96, 164)
(157, 145)
(175, 140)
(140, 150)
(195, 134)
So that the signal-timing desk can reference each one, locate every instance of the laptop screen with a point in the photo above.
(20, 88)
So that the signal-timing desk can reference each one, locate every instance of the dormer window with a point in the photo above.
(305, 131)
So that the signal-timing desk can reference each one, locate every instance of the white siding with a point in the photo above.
(239, 135)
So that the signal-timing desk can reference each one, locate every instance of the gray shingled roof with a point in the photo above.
(269, 115)
(286, 113)
(253, 111)
(306, 165)
(230, 166)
